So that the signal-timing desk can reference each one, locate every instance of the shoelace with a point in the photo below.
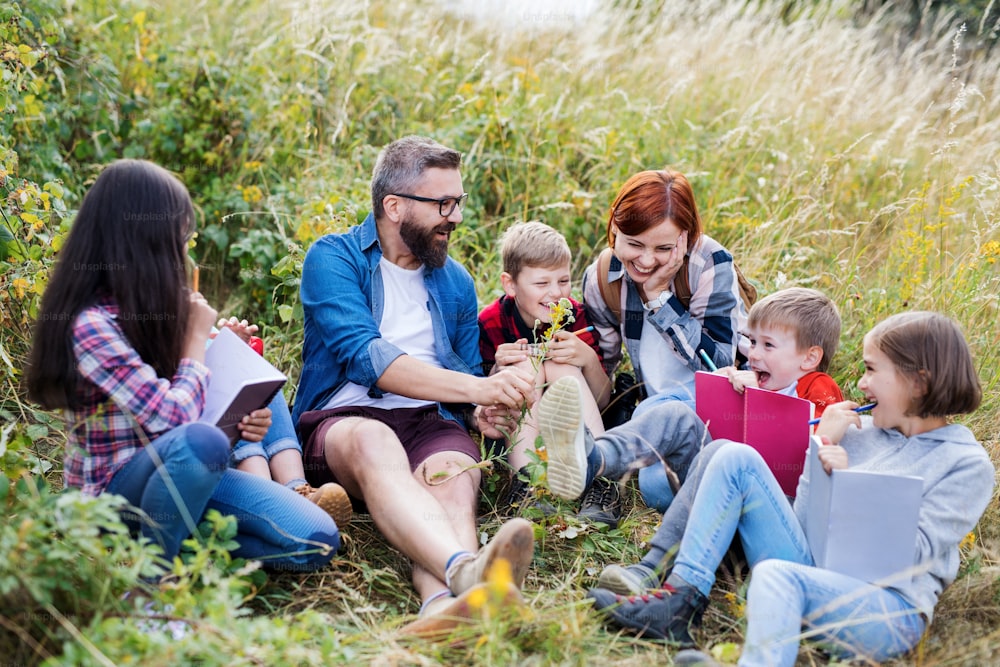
(660, 593)
(601, 493)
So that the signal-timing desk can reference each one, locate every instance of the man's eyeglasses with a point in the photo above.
(446, 205)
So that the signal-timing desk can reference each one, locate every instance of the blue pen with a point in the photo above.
(863, 408)
(708, 361)
(584, 330)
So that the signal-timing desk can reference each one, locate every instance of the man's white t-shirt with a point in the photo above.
(406, 323)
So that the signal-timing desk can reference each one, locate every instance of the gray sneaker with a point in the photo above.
(560, 423)
(632, 580)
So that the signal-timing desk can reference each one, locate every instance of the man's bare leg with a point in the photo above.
(371, 464)
(449, 478)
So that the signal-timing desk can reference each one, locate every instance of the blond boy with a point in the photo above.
(514, 331)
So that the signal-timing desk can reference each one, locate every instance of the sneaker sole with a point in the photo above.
(559, 422)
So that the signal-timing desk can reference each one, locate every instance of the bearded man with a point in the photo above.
(391, 379)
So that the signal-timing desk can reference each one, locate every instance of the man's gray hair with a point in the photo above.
(401, 164)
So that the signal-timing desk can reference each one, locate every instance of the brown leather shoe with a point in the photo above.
(479, 603)
(332, 499)
(515, 542)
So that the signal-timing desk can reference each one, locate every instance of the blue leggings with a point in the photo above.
(276, 525)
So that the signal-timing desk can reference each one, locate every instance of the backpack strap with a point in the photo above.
(612, 295)
(682, 286)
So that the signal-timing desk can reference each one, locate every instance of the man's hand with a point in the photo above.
(496, 422)
(509, 387)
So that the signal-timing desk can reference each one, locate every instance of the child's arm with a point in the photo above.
(245, 331)
(254, 426)
(836, 419)
(833, 457)
(739, 379)
(511, 354)
(567, 348)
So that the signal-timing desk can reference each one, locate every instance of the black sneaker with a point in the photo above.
(521, 500)
(602, 503)
(666, 613)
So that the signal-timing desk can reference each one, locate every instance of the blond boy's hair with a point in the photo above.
(532, 244)
(809, 313)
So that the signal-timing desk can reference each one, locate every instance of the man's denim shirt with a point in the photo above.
(342, 299)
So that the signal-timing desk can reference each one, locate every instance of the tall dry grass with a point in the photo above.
(823, 153)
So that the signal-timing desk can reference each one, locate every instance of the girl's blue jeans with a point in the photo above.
(184, 472)
(279, 437)
(788, 599)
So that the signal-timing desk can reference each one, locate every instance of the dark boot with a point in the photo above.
(602, 503)
(665, 613)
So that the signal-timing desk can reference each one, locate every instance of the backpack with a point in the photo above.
(682, 286)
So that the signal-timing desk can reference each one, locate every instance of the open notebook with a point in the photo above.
(241, 381)
(775, 425)
(862, 523)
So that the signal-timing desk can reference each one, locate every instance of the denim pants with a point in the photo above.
(279, 437)
(787, 593)
(275, 525)
(653, 483)
(665, 432)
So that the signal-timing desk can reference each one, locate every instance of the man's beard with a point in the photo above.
(424, 244)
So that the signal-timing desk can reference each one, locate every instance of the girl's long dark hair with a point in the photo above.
(128, 243)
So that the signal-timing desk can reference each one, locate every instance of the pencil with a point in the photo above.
(194, 279)
(584, 330)
(708, 360)
(862, 408)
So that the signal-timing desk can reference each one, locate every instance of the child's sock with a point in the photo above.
(295, 483)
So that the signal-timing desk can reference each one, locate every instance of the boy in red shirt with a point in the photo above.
(793, 335)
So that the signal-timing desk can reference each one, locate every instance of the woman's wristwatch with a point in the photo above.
(659, 301)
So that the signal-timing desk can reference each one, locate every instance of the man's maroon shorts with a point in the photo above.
(422, 431)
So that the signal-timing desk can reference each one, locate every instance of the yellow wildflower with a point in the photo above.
(20, 286)
(737, 606)
(477, 598)
(252, 194)
(968, 542)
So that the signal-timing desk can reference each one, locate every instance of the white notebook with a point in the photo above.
(862, 523)
(241, 381)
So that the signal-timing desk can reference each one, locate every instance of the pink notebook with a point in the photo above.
(775, 425)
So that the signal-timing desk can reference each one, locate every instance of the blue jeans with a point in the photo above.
(276, 525)
(653, 483)
(787, 593)
(279, 437)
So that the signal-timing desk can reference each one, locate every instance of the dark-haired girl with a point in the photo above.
(119, 346)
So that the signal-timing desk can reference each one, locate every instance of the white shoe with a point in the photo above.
(560, 423)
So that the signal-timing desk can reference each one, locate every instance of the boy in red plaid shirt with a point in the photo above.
(518, 330)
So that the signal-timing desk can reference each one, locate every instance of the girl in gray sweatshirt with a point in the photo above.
(919, 371)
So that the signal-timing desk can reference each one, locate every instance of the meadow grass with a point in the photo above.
(822, 153)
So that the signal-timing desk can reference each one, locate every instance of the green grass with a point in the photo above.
(823, 153)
